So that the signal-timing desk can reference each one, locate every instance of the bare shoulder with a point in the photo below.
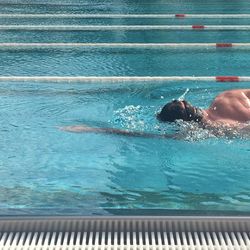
(231, 95)
(235, 92)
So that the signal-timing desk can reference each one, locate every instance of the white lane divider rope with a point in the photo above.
(121, 79)
(126, 45)
(121, 27)
(83, 16)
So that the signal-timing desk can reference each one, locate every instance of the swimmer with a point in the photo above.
(230, 109)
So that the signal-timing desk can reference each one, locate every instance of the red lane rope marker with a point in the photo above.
(227, 79)
(180, 15)
(224, 45)
(198, 26)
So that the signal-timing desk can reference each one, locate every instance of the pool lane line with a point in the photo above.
(120, 27)
(124, 45)
(126, 16)
(120, 79)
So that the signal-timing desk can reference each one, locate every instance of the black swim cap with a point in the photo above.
(180, 110)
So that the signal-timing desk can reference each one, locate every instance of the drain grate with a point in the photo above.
(130, 233)
(121, 240)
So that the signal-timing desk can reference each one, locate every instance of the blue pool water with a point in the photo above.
(125, 62)
(44, 170)
(126, 36)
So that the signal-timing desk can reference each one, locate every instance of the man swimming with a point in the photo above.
(230, 109)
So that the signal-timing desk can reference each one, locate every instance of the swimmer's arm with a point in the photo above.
(86, 129)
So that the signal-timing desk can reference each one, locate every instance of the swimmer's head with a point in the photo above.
(180, 110)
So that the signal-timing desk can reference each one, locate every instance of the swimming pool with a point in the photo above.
(44, 170)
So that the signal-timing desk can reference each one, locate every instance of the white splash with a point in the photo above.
(129, 117)
(182, 97)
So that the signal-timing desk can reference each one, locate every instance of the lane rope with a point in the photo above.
(126, 45)
(117, 79)
(121, 27)
(105, 16)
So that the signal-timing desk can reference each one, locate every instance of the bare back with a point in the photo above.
(230, 107)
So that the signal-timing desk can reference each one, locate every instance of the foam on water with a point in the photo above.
(129, 117)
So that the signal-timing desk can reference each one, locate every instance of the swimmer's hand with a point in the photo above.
(87, 129)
